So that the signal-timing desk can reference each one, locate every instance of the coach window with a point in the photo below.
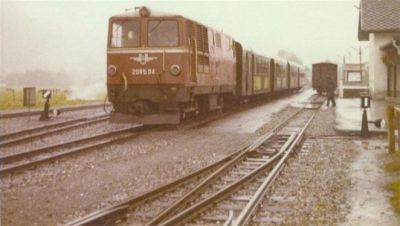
(163, 33)
(125, 34)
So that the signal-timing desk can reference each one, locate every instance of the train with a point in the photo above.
(322, 74)
(165, 68)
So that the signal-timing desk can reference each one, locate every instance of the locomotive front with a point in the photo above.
(147, 66)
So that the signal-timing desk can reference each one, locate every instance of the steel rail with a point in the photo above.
(179, 204)
(38, 112)
(252, 205)
(189, 213)
(188, 196)
(230, 218)
(48, 126)
(14, 168)
(106, 215)
(17, 156)
(56, 130)
(36, 129)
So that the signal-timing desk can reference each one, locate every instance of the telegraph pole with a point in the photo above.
(361, 74)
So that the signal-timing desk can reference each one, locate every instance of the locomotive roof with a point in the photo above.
(135, 13)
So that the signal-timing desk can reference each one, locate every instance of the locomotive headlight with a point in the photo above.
(111, 70)
(175, 70)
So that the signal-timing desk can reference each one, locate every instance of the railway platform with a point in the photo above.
(367, 195)
(349, 115)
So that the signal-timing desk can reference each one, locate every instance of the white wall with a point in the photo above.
(377, 70)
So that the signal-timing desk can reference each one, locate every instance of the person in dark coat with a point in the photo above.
(330, 92)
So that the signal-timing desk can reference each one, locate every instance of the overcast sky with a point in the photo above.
(71, 36)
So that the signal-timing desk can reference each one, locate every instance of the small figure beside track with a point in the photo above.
(45, 114)
(330, 92)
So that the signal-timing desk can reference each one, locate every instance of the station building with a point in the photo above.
(379, 23)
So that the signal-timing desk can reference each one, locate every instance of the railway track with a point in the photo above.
(277, 208)
(232, 196)
(171, 191)
(23, 160)
(228, 194)
(41, 131)
(14, 114)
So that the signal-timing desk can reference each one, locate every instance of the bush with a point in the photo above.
(394, 165)
(394, 186)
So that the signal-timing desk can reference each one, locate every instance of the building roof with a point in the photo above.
(378, 16)
(354, 67)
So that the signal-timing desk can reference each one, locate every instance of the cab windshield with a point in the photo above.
(162, 33)
(125, 34)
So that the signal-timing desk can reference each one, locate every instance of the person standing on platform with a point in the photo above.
(330, 92)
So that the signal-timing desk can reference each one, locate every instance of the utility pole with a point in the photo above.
(360, 56)
(344, 64)
(342, 77)
(361, 74)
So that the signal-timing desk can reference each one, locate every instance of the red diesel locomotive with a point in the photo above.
(162, 68)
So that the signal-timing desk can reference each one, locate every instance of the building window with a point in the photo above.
(353, 76)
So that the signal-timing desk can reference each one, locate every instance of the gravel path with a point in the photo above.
(72, 187)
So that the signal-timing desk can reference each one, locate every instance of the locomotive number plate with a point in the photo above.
(143, 71)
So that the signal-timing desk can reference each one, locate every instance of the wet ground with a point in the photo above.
(368, 197)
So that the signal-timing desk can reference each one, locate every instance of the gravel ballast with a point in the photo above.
(72, 187)
(75, 186)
